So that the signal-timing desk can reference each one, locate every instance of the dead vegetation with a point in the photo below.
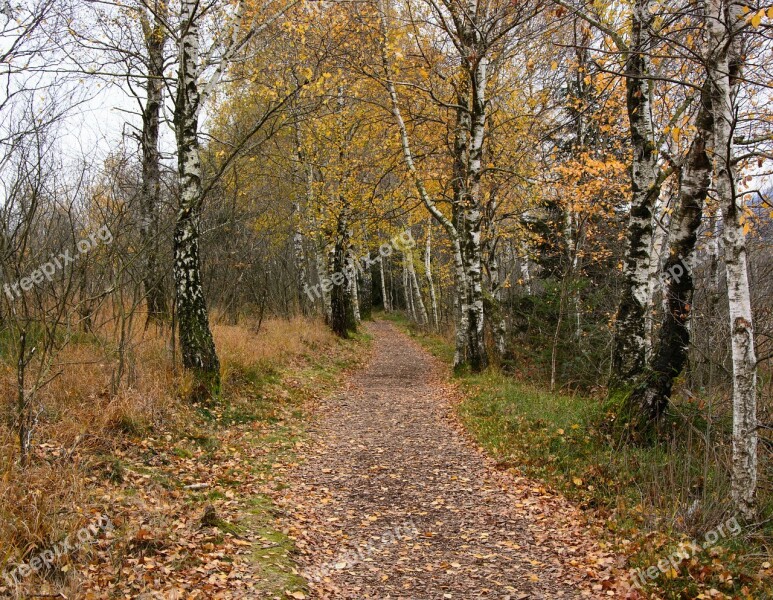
(155, 465)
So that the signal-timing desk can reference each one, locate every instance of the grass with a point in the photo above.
(155, 463)
(646, 500)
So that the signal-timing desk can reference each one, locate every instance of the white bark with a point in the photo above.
(659, 244)
(715, 231)
(629, 344)
(419, 305)
(428, 275)
(572, 256)
(299, 255)
(197, 345)
(724, 19)
(407, 290)
(321, 274)
(524, 266)
(354, 292)
(384, 294)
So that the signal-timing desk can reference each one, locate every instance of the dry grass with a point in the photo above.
(85, 417)
(278, 341)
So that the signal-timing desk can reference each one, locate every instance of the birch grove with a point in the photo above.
(573, 195)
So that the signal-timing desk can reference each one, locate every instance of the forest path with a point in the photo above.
(392, 501)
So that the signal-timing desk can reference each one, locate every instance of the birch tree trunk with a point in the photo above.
(428, 275)
(524, 266)
(408, 291)
(724, 20)
(660, 238)
(196, 342)
(299, 256)
(478, 74)
(495, 285)
(322, 272)
(650, 400)
(384, 295)
(366, 291)
(421, 309)
(629, 347)
(154, 35)
(497, 314)
(354, 292)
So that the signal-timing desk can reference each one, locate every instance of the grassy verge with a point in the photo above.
(187, 489)
(650, 502)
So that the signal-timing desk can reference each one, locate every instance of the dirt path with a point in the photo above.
(394, 502)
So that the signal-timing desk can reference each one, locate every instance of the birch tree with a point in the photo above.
(725, 23)
(428, 276)
(196, 342)
(629, 351)
(198, 75)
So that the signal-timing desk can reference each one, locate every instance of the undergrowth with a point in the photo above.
(187, 488)
(646, 499)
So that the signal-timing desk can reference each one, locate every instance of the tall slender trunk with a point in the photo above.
(299, 255)
(196, 342)
(428, 275)
(724, 18)
(419, 305)
(660, 238)
(354, 291)
(321, 263)
(629, 349)
(495, 309)
(478, 75)
(524, 266)
(321, 252)
(384, 295)
(366, 290)
(498, 313)
(154, 36)
(649, 400)
(407, 291)
(572, 236)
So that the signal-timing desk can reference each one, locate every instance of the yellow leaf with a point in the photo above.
(577, 481)
(757, 19)
(770, 13)
(553, 66)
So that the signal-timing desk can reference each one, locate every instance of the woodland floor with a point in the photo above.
(393, 501)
